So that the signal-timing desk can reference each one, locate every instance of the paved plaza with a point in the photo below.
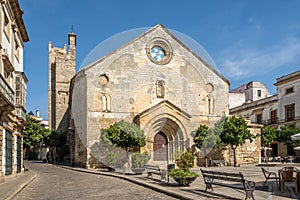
(13, 188)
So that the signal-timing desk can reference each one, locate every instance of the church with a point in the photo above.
(155, 80)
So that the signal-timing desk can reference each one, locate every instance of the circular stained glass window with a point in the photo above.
(157, 53)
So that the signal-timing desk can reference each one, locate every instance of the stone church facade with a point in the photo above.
(155, 81)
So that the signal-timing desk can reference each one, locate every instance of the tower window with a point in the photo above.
(259, 93)
(289, 90)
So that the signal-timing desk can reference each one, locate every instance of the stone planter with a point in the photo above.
(184, 181)
(138, 171)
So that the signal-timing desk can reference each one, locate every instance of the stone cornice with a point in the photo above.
(18, 13)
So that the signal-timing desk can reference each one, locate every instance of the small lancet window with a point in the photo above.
(106, 103)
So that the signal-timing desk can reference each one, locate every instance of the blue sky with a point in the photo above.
(247, 39)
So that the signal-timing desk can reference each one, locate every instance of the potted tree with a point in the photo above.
(183, 175)
(139, 160)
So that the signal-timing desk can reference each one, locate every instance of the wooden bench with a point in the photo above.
(154, 169)
(232, 180)
(219, 163)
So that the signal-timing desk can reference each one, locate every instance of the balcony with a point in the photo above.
(271, 121)
(21, 114)
(6, 60)
(6, 92)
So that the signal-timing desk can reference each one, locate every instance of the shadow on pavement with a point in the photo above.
(209, 194)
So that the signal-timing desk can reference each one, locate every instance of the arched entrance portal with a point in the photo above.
(168, 140)
(160, 147)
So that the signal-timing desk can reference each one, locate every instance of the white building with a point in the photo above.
(13, 83)
(281, 109)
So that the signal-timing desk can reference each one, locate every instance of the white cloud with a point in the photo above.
(240, 60)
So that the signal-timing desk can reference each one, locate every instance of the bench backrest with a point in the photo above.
(152, 167)
(235, 177)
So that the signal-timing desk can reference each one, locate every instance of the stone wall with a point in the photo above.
(245, 154)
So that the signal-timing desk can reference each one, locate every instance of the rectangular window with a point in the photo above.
(17, 50)
(18, 91)
(290, 112)
(6, 27)
(289, 90)
(274, 118)
(259, 93)
(259, 118)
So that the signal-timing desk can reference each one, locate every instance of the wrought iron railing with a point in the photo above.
(266, 122)
(271, 121)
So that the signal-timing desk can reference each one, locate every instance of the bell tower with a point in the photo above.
(62, 68)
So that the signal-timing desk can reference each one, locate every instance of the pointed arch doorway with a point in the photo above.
(160, 147)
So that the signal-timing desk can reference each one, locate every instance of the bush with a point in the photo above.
(184, 162)
(181, 173)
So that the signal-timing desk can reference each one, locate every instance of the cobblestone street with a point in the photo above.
(56, 183)
(47, 181)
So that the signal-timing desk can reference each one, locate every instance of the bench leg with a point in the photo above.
(163, 177)
(208, 187)
(149, 174)
(249, 194)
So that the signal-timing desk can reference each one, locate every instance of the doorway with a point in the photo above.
(160, 147)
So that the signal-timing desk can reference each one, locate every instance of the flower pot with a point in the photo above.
(184, 181)
(138, 171)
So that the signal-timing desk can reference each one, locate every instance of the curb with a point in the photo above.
(21, 187)
(151, 186)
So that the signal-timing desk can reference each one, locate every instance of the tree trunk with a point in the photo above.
(128, 155)
(206, 164)
(234, 157)
(265, 154)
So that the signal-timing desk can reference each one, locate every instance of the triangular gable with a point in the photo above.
(165, 106)
(160, 26)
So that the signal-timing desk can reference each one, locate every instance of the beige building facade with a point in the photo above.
(13, 86)
(281, 109)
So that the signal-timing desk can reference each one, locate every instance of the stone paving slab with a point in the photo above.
(197, 189)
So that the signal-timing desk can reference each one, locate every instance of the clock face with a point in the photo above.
(157, 53)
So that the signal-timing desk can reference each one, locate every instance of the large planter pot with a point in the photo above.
(184, 181)
(138, 171)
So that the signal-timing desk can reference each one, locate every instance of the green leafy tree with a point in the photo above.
(125, 135)
(34, 135)
(205, 138)
(54, 139)
(268, 136)
(235, 133)
(285, 133)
